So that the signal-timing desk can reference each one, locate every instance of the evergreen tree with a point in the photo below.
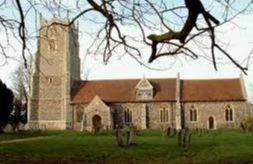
(6, 99)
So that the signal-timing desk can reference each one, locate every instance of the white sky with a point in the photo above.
(241, 43)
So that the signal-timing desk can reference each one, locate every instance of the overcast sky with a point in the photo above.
(240, 45)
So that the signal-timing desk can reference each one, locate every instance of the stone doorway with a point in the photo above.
(211, 122)
(97, 123)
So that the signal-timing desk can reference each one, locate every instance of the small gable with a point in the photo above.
(97, 103)
(144, 90)
(144, 84)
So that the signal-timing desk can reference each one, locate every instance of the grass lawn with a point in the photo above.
(151, 147)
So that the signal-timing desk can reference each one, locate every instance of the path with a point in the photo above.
(25, 139)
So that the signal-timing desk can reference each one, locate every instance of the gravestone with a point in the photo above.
(8, 128)
(119, 136)
(184, 138)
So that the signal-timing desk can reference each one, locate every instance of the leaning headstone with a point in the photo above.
(21, 126)
(168, 130)
(184, 138)
(26, 127)
(172, 132)
(130, 134)
(8, 128)
(98, 129)
(175, 132)
(128, 139)
(199, 131)
(119, 136)
(135, 130)
(187, 138)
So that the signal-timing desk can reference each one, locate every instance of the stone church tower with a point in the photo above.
(56, 66)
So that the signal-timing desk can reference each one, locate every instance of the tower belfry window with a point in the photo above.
(52, 45)
(50, 80)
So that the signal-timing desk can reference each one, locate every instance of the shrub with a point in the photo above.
(247, 124)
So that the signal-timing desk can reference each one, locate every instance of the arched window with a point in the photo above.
(228, 113)
(79, 116)
(211, 123)
(231, 115)
(164, 115)
(128, 116)
(49, 79)
(193, 114)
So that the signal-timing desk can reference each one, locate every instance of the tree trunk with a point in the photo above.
(179, 138)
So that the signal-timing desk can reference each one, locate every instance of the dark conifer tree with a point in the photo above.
(6, 100)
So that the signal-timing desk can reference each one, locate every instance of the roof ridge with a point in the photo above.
(125, 79)
(210, 79)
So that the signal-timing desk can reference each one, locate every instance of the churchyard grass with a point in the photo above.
(152, 146)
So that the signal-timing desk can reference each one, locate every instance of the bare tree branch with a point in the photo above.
(112, 21)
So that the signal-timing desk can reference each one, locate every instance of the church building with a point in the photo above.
(59, 99)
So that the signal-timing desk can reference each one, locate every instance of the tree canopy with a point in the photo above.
(166, 28)
(20, 78)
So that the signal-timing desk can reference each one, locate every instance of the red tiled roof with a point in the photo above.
(211, 90)
(164, 90)
(121, 90)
